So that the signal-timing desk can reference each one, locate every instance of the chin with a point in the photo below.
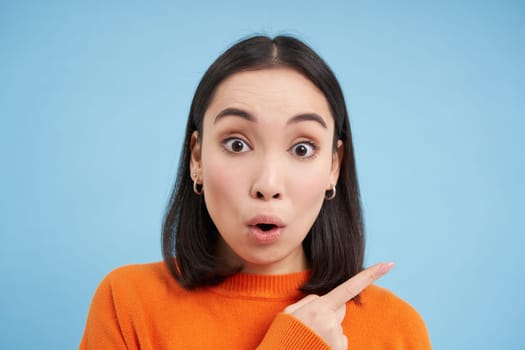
(274, 265)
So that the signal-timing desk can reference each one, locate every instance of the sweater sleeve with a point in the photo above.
(288, 333)
(103, 330)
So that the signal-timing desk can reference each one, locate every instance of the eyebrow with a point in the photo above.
(236, 112)
(307, 117)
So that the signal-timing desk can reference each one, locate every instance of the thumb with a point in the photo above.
(306, 300)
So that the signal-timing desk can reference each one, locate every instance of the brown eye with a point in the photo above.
(303, 150)
(236, 145)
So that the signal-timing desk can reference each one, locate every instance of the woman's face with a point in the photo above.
(265, 160)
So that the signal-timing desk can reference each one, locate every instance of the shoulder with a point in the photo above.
(127, 300)
(392, 309)
(381, 299)
(386, 316)
(150, 278)
(139, 272)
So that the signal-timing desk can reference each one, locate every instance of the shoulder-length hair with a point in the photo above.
(334, 246)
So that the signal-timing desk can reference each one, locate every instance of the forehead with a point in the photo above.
(273, 90)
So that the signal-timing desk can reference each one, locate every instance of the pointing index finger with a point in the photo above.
(344, 292)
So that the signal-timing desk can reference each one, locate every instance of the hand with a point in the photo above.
(324, 314)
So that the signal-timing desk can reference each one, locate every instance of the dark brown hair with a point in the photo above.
(334, 246)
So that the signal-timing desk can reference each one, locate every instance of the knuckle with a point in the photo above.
(345, 342)
(339, 342)
(350, 289)
(371, 276)
(312, 297)
(289, 309)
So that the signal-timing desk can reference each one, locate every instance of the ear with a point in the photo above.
(195, 155)
(337, 158)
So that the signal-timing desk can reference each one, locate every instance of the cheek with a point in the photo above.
(308, 187)
(221, 185)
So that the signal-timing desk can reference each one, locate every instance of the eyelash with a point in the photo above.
(230, 139)
(311, 144)
(227, 144)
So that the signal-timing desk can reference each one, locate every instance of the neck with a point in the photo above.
(290, 264)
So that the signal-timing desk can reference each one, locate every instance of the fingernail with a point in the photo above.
(385, 268)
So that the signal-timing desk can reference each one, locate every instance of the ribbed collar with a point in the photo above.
(278, 287)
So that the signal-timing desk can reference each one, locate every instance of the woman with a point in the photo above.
(263, 240)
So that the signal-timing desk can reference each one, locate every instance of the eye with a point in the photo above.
(304, 149)
(236, 145)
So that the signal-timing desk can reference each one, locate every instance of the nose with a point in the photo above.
(268, 182)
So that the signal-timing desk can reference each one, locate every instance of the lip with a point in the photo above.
(266, 219)
(269, 236)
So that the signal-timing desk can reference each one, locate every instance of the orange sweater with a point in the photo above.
(143, 307)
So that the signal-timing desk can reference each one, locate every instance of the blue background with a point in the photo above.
(93, 102)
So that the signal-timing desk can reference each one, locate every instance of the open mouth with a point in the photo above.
(266, 227)
(266, 233)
